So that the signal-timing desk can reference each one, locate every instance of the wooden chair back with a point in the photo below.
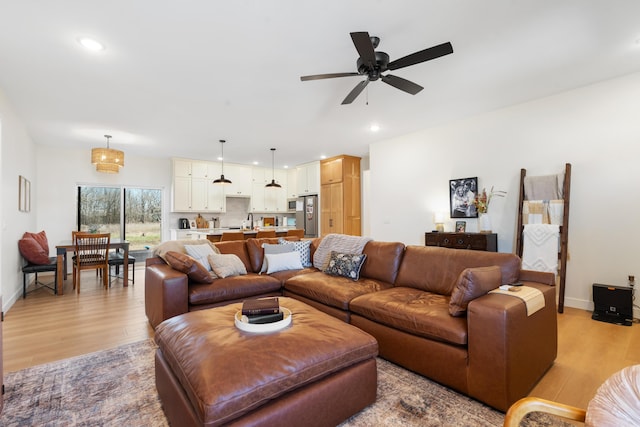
(232, 235)
(265, 233)
(296, 233)
(91, 253)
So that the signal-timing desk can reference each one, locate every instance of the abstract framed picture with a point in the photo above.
(462, 196)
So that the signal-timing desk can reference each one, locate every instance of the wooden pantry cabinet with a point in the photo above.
(340, 196)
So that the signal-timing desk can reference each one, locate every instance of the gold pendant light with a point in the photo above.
(107, 160)
(273, 183)
(222, 179)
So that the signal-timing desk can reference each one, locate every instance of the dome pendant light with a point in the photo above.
(222, 179)
(273, 183)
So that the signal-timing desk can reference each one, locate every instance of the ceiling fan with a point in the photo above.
(372, 64)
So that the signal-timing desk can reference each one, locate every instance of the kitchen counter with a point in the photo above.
(214, 234)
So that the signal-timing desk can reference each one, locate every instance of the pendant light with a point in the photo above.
(222, 179)
(273, 183)
(107, 159)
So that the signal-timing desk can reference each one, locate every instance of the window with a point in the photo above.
(135, 213)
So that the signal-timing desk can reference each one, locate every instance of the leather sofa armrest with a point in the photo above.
(166, 293)
(537, 276)
(508, 350)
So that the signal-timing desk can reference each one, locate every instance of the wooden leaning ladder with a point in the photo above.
(564, 230)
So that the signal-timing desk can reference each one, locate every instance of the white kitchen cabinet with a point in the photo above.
(308, 178)
(241, 178)
(193, 190)
(269, 199)
(292, 183)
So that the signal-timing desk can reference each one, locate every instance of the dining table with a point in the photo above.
(65, 246)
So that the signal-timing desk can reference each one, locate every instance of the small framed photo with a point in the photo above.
(461, 226)
(463, 192)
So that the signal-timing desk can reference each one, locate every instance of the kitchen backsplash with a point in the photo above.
(237, 211)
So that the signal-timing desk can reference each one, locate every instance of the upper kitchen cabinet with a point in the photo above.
(193, 190)
(241, 178)
(292, 183)
(331, 170)
(269, 199)
(308, 178)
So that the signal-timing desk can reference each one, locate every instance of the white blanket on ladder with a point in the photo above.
(540, 247)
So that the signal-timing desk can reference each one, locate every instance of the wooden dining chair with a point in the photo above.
(295, 233)
(265, 233)
(231, 235)
(91, 253)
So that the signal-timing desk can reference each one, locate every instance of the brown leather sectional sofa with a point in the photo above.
(494, 352)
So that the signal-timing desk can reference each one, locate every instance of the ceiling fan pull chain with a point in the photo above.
(367, 94)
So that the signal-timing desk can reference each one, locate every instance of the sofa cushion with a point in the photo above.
(334, 291)
(303, 247)
(436, 269)
(177, 246)
(32, 251)
(383, 260)
(411, 310)
(189, 266)
(473, 283)
(226, 265)
(272, 249)
(201, 253)
(345, 265)
(283, 261)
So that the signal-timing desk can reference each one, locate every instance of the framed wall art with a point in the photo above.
(462, 198)
(24, 194)
(461, 226)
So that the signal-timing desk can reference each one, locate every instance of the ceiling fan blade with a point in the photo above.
(327, 76)
(402, 84)
(355, 92)
(362, 42)
(421, 56)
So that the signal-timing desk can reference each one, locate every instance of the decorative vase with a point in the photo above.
(485, 223)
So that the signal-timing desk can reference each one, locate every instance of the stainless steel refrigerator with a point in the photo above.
(307, 212)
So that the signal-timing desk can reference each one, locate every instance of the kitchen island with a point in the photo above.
(214, 234)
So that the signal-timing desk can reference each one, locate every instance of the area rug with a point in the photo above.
(117, 388)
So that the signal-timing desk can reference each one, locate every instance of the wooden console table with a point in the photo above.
(476, 241)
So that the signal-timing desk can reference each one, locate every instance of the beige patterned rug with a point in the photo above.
(117, 388)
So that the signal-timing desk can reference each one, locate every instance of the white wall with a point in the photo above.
(595, 128)
(17, 158)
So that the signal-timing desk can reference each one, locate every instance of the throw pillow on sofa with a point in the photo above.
(345, 265)
(473, 283)
(269, 249)
(283, 261)
(178, 246)
(303, 247)
(31, 250)
(201, 254)
(189, 266)
(226, 265)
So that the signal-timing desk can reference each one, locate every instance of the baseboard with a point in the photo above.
(588, 306)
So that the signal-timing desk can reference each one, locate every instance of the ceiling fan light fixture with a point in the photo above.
(273, 183)
(222, 179)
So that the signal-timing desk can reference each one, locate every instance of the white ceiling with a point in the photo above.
(177, 76)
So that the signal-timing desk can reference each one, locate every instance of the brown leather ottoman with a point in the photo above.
(316, 372)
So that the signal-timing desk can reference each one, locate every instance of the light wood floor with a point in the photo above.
(43, 328)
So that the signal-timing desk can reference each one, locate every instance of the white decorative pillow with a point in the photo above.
(226, 265)
(273, 249)
(283, 261)
(178, 246)
(200, 253)
(303, 247)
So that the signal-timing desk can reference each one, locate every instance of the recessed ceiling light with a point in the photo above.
(256, 163)
(375, 127)
(91, 44)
